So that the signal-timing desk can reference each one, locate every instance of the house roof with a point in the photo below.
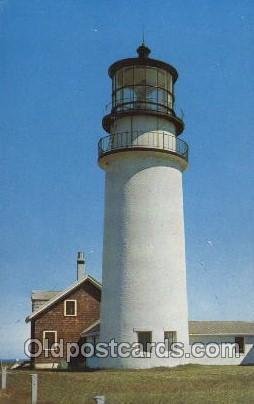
(93, 329)
(44, 294)
(62, 294)
(198, 328)
(221, 327)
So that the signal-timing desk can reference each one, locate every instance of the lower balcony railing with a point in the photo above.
(154, 140)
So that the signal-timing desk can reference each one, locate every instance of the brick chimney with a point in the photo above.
(80, 266)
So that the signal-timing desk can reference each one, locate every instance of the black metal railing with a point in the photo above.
(128, 104)
(154, 140)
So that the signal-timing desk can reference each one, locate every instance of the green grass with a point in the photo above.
(184, 384)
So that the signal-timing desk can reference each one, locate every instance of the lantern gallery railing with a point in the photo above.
(155, 140)
(149, 104)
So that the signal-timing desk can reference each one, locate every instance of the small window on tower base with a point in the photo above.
(169, 339)
(145, 339)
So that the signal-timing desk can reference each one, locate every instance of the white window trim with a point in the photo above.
(70, 315)
(43, 339)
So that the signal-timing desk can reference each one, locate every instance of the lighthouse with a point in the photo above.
(144, 298)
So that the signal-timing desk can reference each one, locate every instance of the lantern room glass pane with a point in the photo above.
(119, 79)
(141, 93)
(162, 79)
(119, 96)
(139, 75)
(128, 95)
(153, 99)
(170, 101)
(169, 83)
(151, 76)
(162, 97)
(128, 76)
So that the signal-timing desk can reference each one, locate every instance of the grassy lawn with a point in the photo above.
(184, 384)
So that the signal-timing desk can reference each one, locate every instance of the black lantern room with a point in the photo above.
(142, 85)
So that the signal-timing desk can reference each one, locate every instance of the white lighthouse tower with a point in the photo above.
(144, 295)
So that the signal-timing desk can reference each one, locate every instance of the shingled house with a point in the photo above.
(64, 315)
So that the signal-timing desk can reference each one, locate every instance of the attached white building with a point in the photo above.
(210, 343)
(221, 333)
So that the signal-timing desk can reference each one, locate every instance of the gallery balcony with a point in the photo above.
(137, 140)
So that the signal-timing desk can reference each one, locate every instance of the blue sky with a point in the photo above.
(54, 87)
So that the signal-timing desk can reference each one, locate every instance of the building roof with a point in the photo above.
(93, 329)
(40, 297)
(44, 294)
(221, 327)
(198, 328)
(143, 59)
(62, 294)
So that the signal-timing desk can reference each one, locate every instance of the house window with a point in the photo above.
(240, 342)
(49, 339)
(70, 308)
(145, 338)
(169, 339)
